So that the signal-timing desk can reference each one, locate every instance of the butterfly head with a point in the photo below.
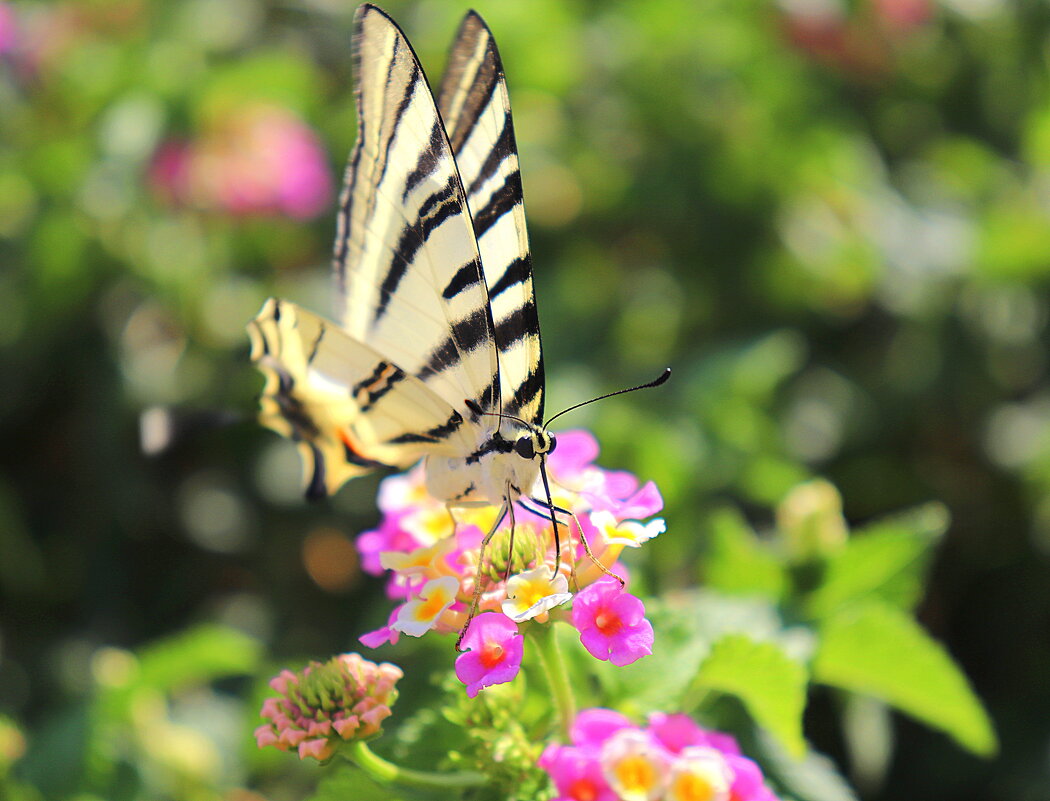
(533, 443)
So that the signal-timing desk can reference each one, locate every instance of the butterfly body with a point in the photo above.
(436, 352)
(505, 464)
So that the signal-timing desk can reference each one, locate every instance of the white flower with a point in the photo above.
(699, 774)
(630, 533)
(634, 766)
(419, 616)
(533, 592)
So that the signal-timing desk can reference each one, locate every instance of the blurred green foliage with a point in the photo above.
(831, 218)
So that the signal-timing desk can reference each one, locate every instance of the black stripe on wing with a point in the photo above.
(475, 107)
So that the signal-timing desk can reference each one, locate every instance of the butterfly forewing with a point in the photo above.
(406, 259)
(475, 108)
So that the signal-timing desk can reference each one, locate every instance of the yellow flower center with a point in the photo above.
(692, 787)
(635, 774)
(431, 607)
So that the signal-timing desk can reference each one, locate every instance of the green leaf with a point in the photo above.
(274, 76)
(877, 650)
(771, 685)
(203, 653)
(687, 624)
(738, 562)
(884, 561)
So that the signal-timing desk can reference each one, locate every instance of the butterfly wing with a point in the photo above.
(415, 342)
(347, 406)
(475, 107)
(406, 261)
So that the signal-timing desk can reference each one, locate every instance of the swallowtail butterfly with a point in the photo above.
(436, 349)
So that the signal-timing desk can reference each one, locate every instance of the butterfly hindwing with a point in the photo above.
(475, 107)
(406, 260)
(349, 408)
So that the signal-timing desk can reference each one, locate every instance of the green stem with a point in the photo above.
(379, 769)
(553, 664)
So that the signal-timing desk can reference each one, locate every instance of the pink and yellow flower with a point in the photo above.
(420, 540)
(671, 759)
(699, 774)
(634, 765)
(418, 616)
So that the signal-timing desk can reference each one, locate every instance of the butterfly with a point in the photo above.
(435, 352)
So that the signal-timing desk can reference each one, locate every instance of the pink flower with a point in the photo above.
(672, 759)
(324, 704)
(386, 634)
(747, 779)
(389, 536)
(592, 727)
(8, 28)
(575, 452)
(419, 542)
(576, 773)
(493, 655)
(257, 159)
(612, 623)
(641, 504)
(677, 732)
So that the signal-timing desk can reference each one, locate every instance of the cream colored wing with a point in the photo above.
(406, 260)
(349, 408)
(475, 107)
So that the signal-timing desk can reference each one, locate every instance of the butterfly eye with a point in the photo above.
(553, 443)
(524, 448)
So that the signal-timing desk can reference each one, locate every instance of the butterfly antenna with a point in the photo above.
(657, 382)
(478, 411)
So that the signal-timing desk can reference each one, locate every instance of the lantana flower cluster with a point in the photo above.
(328, 703)
(435, 557)
(670, 759)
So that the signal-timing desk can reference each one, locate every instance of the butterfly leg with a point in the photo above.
(510, 555)
(476, 600)
(586, 545)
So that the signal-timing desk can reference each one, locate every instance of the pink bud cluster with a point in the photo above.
(434, 562)
(327, 703)
(257, 159)
(670, 759)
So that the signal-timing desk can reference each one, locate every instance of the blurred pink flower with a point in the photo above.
(8, 28)
(612, 623)
(678, 731)
(673, 758)
(592, 727)
(576, 773)
(635, 765)
(493, 650)
(255, 160)
(324, 704)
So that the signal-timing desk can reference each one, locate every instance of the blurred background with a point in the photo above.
(831, 217)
